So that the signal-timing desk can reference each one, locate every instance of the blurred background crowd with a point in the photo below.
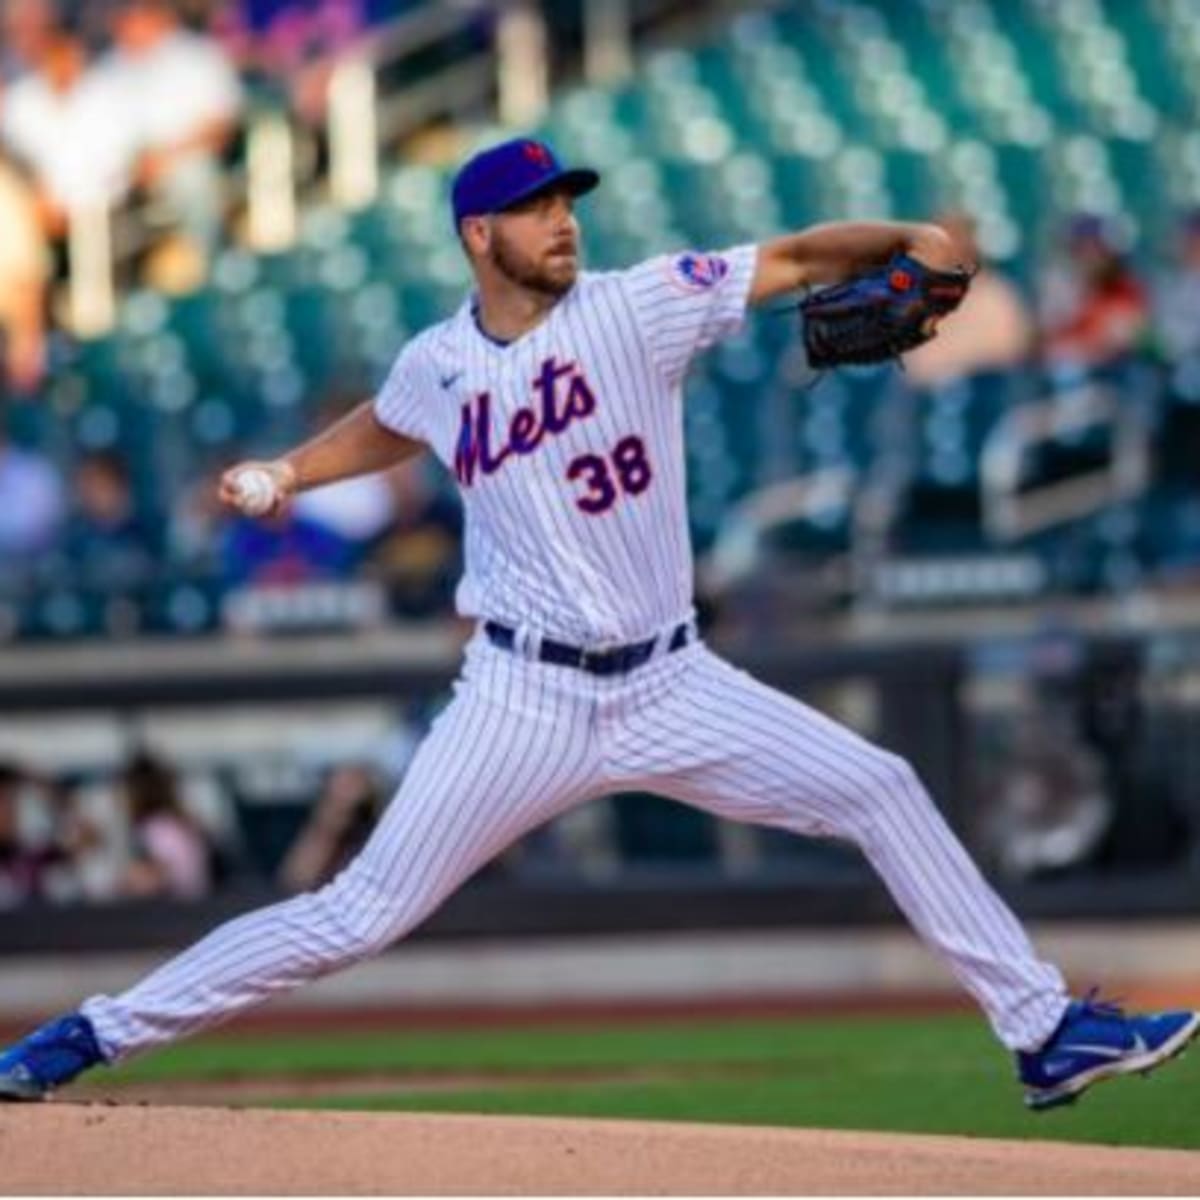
(127, 133)
(138, 104)
(221, 220)
(138, 109)
(135, 835)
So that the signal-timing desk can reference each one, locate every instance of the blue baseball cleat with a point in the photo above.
(49, 1057)
(1097, 1041)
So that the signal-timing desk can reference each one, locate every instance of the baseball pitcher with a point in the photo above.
(555, 397)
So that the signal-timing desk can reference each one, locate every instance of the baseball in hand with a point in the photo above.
(255, 490)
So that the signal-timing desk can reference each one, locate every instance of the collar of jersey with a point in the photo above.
(483, 333)
(499, 343)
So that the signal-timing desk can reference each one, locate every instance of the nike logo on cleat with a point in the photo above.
(1139, 1047)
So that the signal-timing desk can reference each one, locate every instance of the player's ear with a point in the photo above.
(474, 233)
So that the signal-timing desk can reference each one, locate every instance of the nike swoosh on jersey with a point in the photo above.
(448, 381)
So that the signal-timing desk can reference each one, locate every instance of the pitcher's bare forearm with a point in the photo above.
(355, 445)
(835, 251)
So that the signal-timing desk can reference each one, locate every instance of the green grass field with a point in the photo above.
(939, 1074)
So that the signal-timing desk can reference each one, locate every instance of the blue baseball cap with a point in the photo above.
(504, 175)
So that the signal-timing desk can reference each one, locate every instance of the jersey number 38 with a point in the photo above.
(626, 471)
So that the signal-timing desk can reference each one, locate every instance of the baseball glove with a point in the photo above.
(880, 314)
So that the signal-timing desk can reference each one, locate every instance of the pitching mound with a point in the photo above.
(92, 1149)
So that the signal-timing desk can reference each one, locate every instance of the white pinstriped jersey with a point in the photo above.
(567, 444)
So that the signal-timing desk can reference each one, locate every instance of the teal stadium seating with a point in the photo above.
(1020, 110)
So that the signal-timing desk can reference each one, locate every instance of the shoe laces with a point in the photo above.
(1094, 1006)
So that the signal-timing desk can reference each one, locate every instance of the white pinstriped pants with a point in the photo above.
(523, 742)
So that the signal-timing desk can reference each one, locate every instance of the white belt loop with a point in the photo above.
(665, 636)
(691, 633)
(527, 642)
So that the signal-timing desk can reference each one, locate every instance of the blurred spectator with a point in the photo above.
(324, 535)
(107, 540)
(358, 511)
(991, 330)
(172, 853)
(92, 829)
(294, 43)
(1177, 299)
(341, 822)
(208, 537)
(32, 503)
(281, 35)
(71, 126)
(23, 866)
(422, 542)
(285, 549)
(1094, 309)
(187, 98)
(1048, 810)
(23, 270)
(25, 28)
(197, 518)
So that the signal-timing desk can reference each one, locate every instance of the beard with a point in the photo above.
(526, 272)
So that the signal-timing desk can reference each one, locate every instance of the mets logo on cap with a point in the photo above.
(695, 272)
(536, 152)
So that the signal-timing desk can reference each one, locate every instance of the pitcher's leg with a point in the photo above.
(487, 773)
(727, 743)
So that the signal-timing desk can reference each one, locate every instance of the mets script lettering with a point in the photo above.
(561, 395)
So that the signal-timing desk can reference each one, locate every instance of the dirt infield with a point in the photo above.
(102, 1150)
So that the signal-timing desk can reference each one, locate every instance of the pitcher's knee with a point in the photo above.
(363, 919)
(891, 783)
(368, 935)
(904, 777)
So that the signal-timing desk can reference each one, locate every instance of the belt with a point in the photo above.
(616, 660)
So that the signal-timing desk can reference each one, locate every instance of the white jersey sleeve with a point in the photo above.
(685, 302)
(398, 405)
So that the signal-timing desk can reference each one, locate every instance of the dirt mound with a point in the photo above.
(95, 1149)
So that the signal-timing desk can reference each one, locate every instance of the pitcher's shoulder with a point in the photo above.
(608, 289)
(599, 281)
